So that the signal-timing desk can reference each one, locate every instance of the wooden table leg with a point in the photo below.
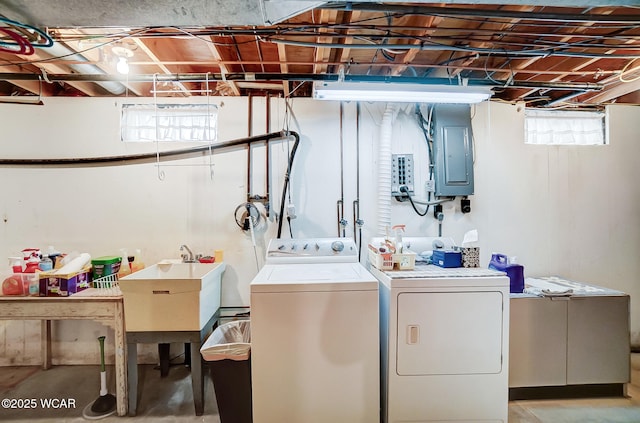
(45, 343)
(132, 377)
(197, 381)
(120, 365)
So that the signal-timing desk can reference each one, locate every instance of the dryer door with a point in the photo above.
(449, 333)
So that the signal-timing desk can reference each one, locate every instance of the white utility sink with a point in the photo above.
(171, 296)
(177, 271)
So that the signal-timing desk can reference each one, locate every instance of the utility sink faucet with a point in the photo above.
(187, 258)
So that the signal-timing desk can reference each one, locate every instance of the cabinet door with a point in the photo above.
(538, 342)
(598, 340)
(449, 333)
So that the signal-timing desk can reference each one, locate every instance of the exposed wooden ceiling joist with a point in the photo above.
(530, 51)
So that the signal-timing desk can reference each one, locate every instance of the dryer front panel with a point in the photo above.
(449, 333)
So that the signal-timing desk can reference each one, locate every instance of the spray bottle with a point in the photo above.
(399, 229)
(137, 263)
(125, 269)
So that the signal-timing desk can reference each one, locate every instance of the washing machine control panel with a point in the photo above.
(312, 250)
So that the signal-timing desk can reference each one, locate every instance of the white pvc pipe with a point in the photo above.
(384, 170)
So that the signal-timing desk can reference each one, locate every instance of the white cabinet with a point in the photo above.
(576, 340)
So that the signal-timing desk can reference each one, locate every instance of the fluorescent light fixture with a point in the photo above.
(400, 92)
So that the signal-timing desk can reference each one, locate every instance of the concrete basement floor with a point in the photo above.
(169, 399)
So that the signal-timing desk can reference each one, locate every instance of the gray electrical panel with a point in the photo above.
(453, 150)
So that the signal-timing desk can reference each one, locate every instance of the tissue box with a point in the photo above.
(63, 285)
(444, 258)
(470, 256)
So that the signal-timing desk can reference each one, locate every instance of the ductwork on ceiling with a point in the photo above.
(146, 13)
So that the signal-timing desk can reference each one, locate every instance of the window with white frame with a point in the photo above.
(169, 122)
(565, 127)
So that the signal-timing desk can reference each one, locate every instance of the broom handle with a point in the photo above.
(101, 340)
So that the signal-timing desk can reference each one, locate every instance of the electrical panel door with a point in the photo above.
(453, 148)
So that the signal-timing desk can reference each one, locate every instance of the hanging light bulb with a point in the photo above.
(123, 65)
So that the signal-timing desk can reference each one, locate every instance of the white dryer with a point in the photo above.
(444, 336)
(314, 335)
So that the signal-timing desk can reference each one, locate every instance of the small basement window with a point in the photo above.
(565, 127)
(169, 122)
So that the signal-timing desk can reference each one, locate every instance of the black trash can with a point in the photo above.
(228, 355)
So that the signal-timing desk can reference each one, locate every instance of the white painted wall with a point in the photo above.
(569, 211)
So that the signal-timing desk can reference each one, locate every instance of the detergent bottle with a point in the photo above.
(514, 271)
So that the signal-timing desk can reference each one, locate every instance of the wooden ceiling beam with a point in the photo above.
(140, 43)
(341, 55)
(322, 54)
(284, 67)
(223, 68)
(422, 21)
(42, 88)
(616, 86)
(88, 88)
(96, 57)
(346, 51)
(34, 87)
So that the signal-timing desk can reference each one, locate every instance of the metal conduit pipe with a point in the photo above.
(481, 13)
(340, 202)
(198, 77)
(440, 47)
(59, 50)
(146, 157)
(249, 151)
(267, 181)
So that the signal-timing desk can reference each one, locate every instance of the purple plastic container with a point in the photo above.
(515, 272)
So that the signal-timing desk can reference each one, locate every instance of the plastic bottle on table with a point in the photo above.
(137, 263)
(124, 265)
(45, 263)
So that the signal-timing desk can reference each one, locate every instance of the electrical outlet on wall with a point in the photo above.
(401, 174)
(430, 185)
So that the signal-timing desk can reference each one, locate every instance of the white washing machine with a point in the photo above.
(315, 351)
(445, 337)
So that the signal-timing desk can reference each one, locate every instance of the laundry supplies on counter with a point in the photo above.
(105, 265)
(73, 277)
(514, 270)
(470, 249)
(385, 257)
(447, 258)
(75, 265)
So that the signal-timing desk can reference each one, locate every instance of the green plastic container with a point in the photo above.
(104, 266)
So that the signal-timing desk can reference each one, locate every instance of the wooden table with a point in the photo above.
(106, 310)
